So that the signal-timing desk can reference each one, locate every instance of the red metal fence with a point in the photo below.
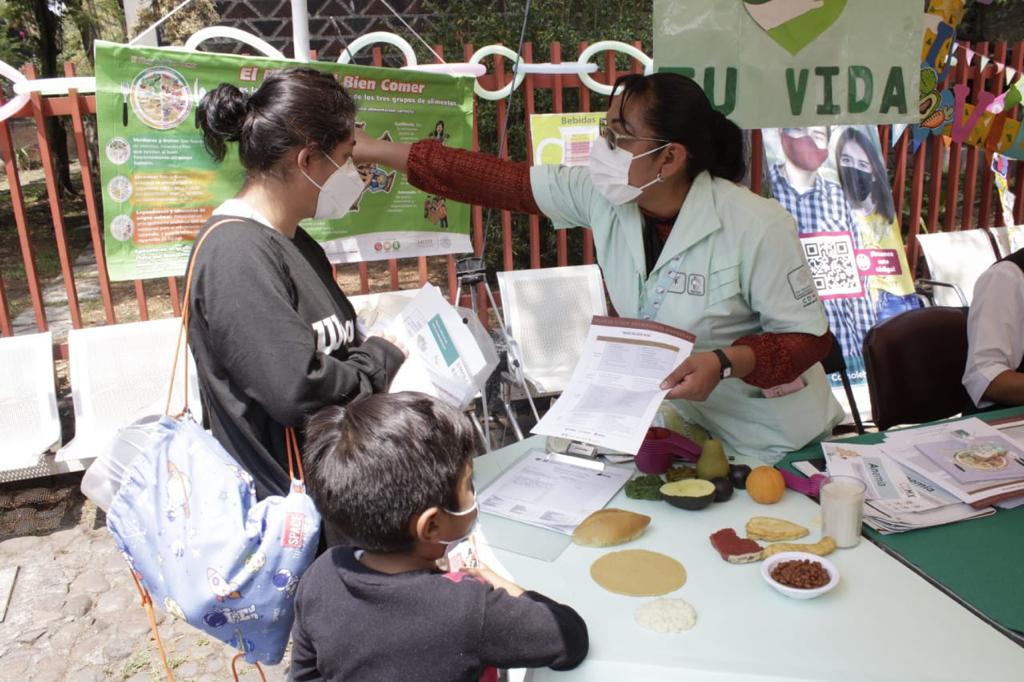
(949, 189)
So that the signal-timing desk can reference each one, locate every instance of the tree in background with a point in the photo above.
(47, 33)
(998, 20)
(176, 30)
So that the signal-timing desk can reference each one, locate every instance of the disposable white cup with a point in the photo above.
(842, 509)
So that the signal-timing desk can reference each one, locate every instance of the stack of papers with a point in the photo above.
(933, 475)
(931, 452)
(896, 499)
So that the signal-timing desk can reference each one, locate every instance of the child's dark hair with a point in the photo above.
(373, 465)
(292, 107)
(677, 110)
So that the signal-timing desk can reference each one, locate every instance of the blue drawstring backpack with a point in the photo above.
(187, 520)
(198, 543)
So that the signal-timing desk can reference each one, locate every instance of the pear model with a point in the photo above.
(712, 462)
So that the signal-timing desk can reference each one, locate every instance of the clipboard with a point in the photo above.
(534, 504)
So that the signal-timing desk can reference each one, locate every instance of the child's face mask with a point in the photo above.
(449, 545)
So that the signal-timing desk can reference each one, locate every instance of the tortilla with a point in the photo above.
(638, 573)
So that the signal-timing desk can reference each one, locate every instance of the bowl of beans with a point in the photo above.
(800, 575)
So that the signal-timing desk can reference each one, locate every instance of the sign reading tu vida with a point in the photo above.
(814, 90)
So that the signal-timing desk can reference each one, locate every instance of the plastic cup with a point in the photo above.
(842, 509)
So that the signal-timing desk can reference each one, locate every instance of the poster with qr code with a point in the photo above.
(833, 262)
(834, 182)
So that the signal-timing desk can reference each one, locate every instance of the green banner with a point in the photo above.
(775, 63)
(160, 185)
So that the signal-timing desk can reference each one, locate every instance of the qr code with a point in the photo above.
(833, 264)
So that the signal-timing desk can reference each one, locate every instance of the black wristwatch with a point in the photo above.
(723, 359)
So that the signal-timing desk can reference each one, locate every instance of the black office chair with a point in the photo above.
(835, 364)
(915, 365)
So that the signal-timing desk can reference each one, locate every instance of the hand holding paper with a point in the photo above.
(444, 358)
(616, 386)
(694, 379)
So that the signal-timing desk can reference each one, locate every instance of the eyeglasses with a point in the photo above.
(612, 137)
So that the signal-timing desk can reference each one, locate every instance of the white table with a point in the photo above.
(882, 622)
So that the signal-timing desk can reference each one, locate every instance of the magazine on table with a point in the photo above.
(886, 483)
(936, 507)
(903, 446)
(977, 459)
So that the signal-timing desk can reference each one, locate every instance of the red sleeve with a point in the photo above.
(471, 177)
(782, 358)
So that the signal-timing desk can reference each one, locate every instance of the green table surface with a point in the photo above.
(979, 562)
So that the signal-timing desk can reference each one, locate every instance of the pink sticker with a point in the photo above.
(880, 262)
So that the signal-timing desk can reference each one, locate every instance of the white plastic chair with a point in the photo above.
(118, 372)
(29, 422)
(956, 259)
(1008, 239)
(547, 314)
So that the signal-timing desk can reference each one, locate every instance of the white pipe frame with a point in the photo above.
(581, 67)
(228, 33)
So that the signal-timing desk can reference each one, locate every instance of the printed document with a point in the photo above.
(552, 491)
(445, 360)
(615, 389)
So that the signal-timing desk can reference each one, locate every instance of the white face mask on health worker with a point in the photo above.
(339, 191)
(609, 171)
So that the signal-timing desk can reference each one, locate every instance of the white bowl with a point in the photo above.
(794, 592)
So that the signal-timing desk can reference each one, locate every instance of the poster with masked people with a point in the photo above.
(832, 179)
(160, 185)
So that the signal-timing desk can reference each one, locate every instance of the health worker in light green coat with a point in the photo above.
(680, 242)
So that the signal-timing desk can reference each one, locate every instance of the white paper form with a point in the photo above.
(552, 491)
(615, 389)
(444, 361)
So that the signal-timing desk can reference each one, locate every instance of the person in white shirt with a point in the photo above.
(994, 374)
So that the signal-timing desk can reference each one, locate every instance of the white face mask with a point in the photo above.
(609, 171)
(449, 545)
(339, 192)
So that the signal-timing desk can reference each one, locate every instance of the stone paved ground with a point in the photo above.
(74, 613)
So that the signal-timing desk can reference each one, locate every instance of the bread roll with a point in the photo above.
(608, 527)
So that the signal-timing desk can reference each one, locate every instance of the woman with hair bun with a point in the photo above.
(273, 335)
(679, 242)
